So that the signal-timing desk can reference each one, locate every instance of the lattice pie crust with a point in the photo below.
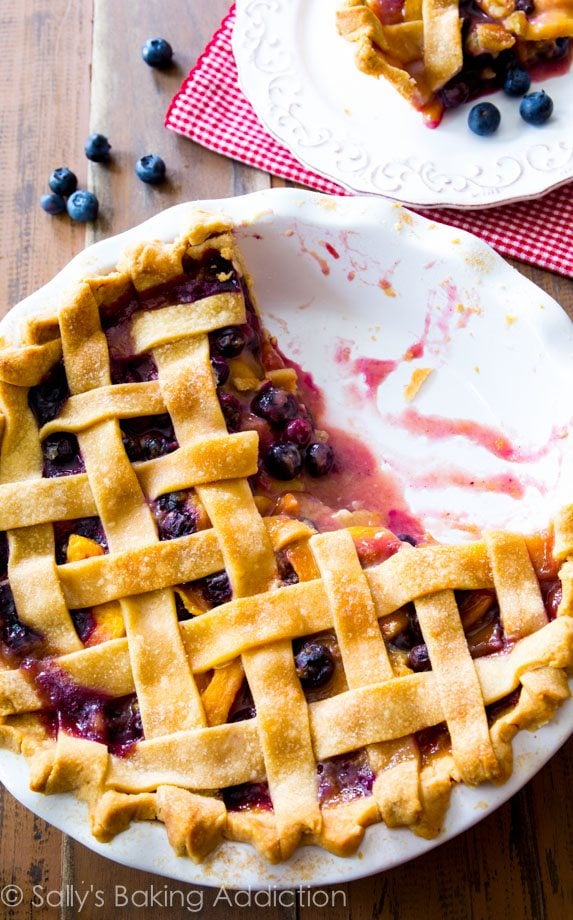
(186, 674)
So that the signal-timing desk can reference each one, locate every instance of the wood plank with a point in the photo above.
(45, 81)
(44, 73)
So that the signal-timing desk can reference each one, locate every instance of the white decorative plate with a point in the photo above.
(301, 79)
(345, 284)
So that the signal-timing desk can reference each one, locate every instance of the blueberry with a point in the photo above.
(150, 169)
(484, 119)
(536, 108)
(275, 405)
(60, 448)
(314, 665)
(221, 370)
(171, 501)
(217, 589)
(63, 181)
(178, 523)
(154, 446)
(299, 431)
(517, 82)
(406, 538)
(418, 658)
(52, 204)
(231, 411)
(82, 206)
(47, 397)
(319, 458)
(525, 6)
(157, 52)
(97, 148)
(454, 94)
(132, 448)
(228, 342)
(283, 460)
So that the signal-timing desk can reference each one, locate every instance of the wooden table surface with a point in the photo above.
(70, 67)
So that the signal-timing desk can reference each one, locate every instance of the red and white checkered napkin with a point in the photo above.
(212, 111)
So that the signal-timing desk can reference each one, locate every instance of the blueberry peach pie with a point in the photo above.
(441, 53)
(190, 633)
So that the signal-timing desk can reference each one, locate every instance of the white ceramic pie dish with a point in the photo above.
(300, 77)
(344, 280)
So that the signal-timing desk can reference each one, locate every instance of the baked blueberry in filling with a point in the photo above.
(247, 795)
(344, 778)
(227, 342)
(62, 456)
(84, 622)
(83, 712)
(314, 664)
(174, 515)
(47, 398)
(232, 412)
(149, 437)
(133, 370)
(216, 588)
(18, 640)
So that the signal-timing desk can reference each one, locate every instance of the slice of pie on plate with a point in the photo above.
(195, 629)
(441, 53)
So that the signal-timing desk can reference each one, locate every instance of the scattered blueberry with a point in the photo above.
(283, 460)
(314, 665)
(150, 169)
(82, 206)
(53, 203)
(484, 119)
(517, 82)
(63, 181)
(275, 405)
(221, 370)
(97, 148)
(319, 458)
(157, 52)
(418, 658)
(228, 342)
(536, 108)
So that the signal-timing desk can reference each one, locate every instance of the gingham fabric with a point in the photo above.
(211, 110)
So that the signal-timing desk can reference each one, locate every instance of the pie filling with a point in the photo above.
(439, 60)
(341, 613)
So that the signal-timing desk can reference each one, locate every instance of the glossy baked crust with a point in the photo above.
(420, 45)
(187, 674)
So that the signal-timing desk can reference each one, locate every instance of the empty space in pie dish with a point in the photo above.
(450, 368)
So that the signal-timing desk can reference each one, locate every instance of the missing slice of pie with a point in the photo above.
(197, 626)
(439, 54)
